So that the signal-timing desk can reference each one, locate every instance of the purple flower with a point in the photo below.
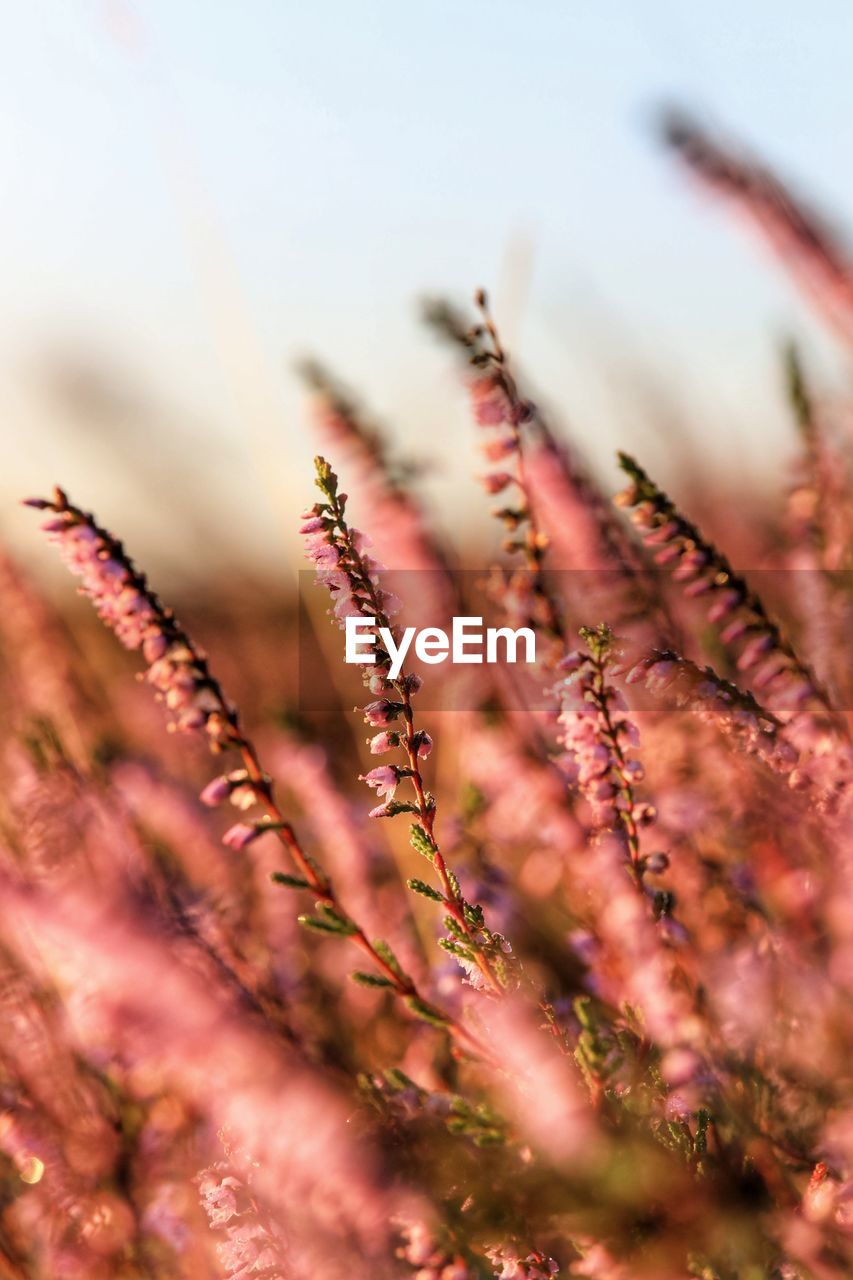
(242, 834)
(216, 791)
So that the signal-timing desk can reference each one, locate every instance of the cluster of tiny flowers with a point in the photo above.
(600, 740)
(484, 956)
(762, 652)
(124, 602)
(429, 1260)
(385, 778)
(718, 702)
(497, 404)
(243, 792)
(248, 1248)
(177, 668)
(352, 576)
(340, 557)
(535, 1266)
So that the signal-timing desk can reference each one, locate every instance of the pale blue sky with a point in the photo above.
(200, 191)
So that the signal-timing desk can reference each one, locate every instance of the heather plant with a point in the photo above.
(600, 1024)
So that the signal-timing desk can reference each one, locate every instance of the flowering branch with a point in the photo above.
(498, 403)
(792, 690)
(800, 239)
(179, 672)
(718, 702)
(351, 576)
(600, 740)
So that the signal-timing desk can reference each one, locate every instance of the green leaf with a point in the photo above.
(395, 807)
(426, 1011)
(425, 890)
(399, 1080)
(341, 922)
(370, 979)
(382, 949)
(421, 842)
(289, 882)
(473, 914)
(342, 928)
(455, 948)
(454, 927)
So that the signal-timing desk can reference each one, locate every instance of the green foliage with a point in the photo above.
(426, 1012)
(329, 921)
(382, 949)
(425, 890)
(371, 979)
(455, 948)
(289, 882)
(421, 842)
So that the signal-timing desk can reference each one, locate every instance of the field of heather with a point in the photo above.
(313, 969)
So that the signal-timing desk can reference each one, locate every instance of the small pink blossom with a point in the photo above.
(385, 779)
(216, 791)
(382, 712)
(241, 834)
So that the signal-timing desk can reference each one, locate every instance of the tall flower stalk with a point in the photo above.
(179, 672)
(761, 649)
(720, 703)
(499, 406)
(821, 266)
(559, 513)
(601, 741)
(351, 575)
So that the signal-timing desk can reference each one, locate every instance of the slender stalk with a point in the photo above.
(126, 603)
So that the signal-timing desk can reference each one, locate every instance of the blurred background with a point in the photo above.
(198, 195)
